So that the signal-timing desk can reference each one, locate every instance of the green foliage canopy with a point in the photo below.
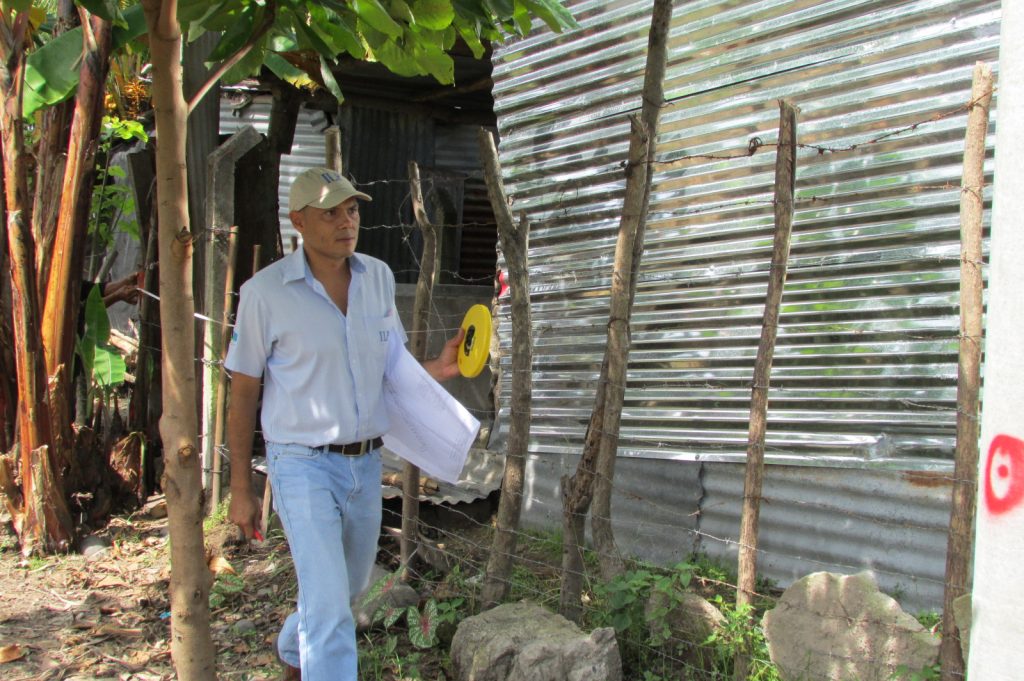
(409, 38)
(299, 40)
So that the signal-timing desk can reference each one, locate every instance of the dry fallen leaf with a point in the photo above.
(114, 630)
(139, 658)
(219, 565)
(11, 653)
(110, 581)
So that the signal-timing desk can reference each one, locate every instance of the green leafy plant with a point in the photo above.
(218, 516)
(103, 364)
(382, 659)
(930, 620)
(451, 611)
(377, 657)
(225, 586)
(640, 620)
(740, 635)
(626, 597)
(422, 624)
(112, 203)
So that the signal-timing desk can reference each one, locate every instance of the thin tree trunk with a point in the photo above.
(602, 434)
(418, 348)
(577, 494)
(785, 176)
(965, 469)
(653, 101)
(191, 645)
(596, 468)
(45, 523)
(515, 245)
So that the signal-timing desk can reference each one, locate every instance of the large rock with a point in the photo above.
(833, 627)
(525, 642)
(688, 623)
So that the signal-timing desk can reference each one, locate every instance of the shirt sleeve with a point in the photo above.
(393, 312)
(249, 348)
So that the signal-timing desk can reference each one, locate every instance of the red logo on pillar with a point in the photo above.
(1004, 474)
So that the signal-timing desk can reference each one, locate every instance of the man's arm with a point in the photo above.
(446, 364)
(244, 509)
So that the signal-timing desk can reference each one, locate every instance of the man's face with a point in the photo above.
(329, 232)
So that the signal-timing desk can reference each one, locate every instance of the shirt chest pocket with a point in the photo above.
(377, 334)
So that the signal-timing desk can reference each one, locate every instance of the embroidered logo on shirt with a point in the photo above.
(384, 335)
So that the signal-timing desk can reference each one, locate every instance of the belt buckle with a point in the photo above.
(362, 447)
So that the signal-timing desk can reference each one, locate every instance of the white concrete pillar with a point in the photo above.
(997, 633)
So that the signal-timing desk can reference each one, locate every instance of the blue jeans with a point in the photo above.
(330, 506)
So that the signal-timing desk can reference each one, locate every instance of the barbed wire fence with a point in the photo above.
(457, 539)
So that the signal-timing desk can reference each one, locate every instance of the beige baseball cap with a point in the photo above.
(321, 188)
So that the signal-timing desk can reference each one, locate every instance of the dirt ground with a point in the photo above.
(106, 617)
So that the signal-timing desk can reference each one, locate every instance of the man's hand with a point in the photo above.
(446, 364)
(124, 290)
(245, 511)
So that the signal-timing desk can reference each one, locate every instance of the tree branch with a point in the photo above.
(227, 64)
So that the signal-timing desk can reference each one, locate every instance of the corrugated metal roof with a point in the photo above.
(865, 365)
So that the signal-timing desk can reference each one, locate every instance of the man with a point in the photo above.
(320, 326)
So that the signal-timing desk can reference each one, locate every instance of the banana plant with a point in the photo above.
(102, 363)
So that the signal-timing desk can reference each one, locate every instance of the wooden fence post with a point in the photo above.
(596, 465)
(514, 243)
(785, 175)
(222, 375)
(965, 468)
(418, 348)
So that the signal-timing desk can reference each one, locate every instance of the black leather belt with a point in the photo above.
(356, 448)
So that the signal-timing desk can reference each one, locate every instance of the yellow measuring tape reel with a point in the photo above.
(476, 346)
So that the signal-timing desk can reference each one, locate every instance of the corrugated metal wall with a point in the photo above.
(865, 366)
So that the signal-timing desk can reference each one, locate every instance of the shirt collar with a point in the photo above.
(295, 266)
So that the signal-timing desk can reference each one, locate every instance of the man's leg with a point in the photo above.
(311, 491)
(361, 517)
(361, 520)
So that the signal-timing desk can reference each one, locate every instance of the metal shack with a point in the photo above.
(862, 407)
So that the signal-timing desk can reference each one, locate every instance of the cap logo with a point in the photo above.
(330, 177)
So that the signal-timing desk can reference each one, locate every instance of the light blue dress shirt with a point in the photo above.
(323, 370)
